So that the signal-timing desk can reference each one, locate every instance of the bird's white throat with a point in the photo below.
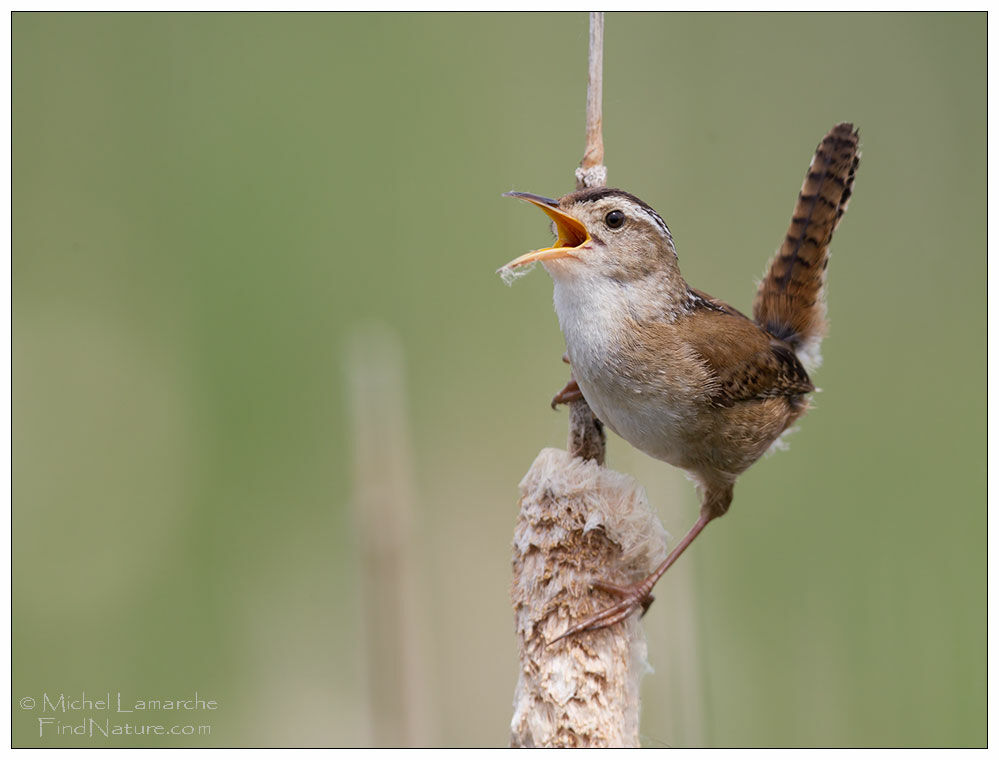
(593, 312)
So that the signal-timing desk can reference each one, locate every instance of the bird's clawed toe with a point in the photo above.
(571, 392)
(633, 597)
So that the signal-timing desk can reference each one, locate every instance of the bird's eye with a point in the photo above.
(614, 219)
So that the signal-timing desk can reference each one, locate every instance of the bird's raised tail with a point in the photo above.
(791, 301)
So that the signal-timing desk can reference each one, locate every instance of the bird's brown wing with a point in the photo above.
(747, 362)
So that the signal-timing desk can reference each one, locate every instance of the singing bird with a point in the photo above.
(680, 375)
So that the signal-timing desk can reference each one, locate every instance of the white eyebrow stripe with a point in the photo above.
(649, 214)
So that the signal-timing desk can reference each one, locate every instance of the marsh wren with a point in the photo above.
(679, 374)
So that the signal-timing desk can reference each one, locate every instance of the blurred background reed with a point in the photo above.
(227, 228)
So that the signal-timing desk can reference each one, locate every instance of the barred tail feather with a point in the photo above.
(790, 302)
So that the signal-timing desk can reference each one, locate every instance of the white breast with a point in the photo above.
(594, 316)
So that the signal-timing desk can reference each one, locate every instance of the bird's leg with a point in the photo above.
(571, 390)
(639, 594)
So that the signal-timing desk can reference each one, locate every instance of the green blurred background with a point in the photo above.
(214, 214)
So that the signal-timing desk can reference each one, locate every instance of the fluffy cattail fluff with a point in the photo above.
(791, 301)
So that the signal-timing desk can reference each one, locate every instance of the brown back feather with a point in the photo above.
(790, 302)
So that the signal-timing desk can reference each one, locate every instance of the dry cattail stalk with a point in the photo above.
(393, 635)
(578, 522)
(578, 518)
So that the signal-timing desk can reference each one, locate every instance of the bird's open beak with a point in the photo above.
(572, 234)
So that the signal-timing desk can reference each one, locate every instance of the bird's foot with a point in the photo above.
(571, 392)
(633, 597)
(639, 594)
